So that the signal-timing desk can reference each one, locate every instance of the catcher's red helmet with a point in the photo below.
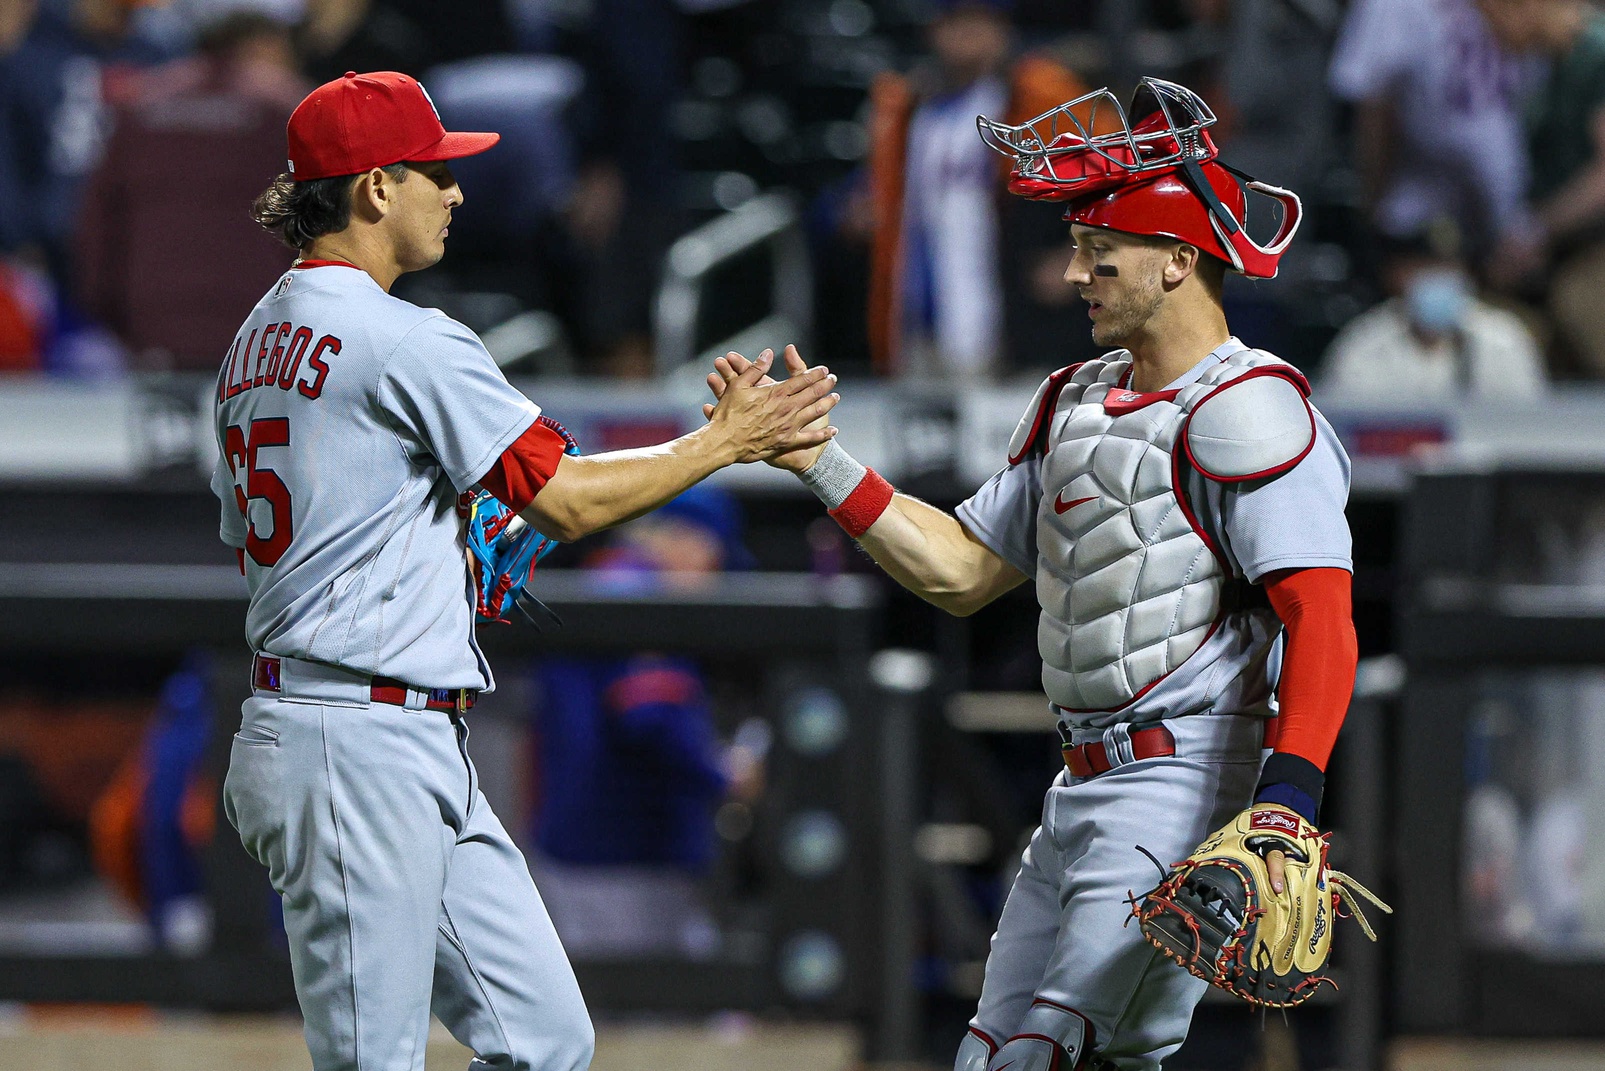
(1158, 176)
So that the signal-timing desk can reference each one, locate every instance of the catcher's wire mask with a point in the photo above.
(1169, 130)
(1111, 163)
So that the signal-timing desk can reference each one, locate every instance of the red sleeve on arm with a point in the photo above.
(239, 553)
(524, 467)
(1319, 661)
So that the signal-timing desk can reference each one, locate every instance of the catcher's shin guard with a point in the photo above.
(975, 1052)
(1051, 1037)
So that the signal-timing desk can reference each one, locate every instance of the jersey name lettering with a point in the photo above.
(272, 356)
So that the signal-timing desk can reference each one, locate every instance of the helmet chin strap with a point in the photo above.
(1193, 174)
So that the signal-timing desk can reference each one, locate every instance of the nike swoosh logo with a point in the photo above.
(1061, 506)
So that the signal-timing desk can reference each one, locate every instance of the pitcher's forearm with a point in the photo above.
(591, 492)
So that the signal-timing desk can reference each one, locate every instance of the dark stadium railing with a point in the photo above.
(843, 746)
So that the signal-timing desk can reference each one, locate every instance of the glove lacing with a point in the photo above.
(1345, 887)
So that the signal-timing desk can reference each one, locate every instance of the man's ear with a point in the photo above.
(1181, 263)
(373, 195)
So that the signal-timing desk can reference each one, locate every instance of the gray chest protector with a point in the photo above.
(1131, 583)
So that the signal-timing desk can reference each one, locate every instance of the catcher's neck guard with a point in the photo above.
(1150, 169)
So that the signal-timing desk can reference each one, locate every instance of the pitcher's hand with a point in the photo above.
(761, 419)
(729, 367)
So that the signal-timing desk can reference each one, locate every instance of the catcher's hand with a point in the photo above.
(1218, 914)
(503, 550)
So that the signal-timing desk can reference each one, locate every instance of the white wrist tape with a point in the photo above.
(833, 475)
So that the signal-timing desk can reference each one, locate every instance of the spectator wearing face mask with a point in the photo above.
(1433, 338)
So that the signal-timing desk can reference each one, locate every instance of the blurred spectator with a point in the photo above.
(506, 235)
(167, 252)
(630, 770)
(1437, 126)
(56, 58)
(57, 756)
(625, 209)
(152, 822)
(242, 54)
(1263, 70)
(410, 36)
(509, 251)
(1433, 338)
(26, 301)
(177, 26)
(938, 261)
(1566, 146)
(1261, 65)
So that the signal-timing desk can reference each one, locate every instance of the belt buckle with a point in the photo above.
(462, 701)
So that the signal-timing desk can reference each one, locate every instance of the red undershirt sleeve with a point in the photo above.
(524, 467)
(1318, 664)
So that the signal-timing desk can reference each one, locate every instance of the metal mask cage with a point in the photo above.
(1185, 115)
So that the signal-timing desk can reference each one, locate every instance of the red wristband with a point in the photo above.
(865, 505)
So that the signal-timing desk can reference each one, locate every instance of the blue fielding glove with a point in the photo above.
(504, 550)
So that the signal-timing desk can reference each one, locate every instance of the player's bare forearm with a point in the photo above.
(931, 554)
(589, 493)
(753, 421)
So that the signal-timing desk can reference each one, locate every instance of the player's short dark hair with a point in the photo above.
(297, 212)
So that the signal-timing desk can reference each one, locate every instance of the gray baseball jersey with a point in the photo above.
(1294, 520)
(348, 423)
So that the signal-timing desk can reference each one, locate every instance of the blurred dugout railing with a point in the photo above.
(830, 835)
(1499, 750)
(767, 225)
(155, 430)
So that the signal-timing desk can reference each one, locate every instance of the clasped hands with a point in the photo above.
(733, 372)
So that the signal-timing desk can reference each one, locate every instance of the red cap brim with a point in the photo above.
(457, 144)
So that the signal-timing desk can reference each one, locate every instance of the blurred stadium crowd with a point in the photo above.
(1449, 153)
(1451, 159)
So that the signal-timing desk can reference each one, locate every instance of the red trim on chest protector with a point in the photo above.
(1119, 402)
(1151, 685)
(1184, 454)
(986, 1039)
(1180, 491)
(524, 467)
(1045, 410)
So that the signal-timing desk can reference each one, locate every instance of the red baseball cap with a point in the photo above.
(363, 121)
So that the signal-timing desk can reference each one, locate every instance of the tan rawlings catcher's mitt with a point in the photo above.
(1216, 914)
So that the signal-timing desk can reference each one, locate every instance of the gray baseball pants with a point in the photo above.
(402, 892)
(1064, 963)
